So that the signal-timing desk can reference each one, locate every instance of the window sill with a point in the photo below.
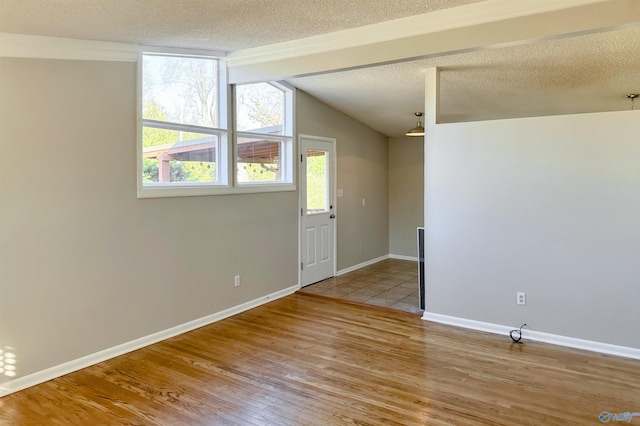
(194, 191)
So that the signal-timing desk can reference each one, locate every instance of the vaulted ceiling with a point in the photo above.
(585, 71)
(589, 73)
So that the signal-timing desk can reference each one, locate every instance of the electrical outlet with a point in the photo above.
(364, 202)
(521, 298)
(236, 281)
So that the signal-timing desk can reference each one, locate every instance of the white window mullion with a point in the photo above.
(181, 127)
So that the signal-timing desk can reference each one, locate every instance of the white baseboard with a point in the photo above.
(361, 265)
(537, 336)
(86, 361)
(403, 257)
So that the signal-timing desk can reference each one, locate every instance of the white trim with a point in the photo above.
(362, 265)
(403, 257)
(178, 51)
(537, 336)
(212, 189)
(86, 361)
(317, 138)
(224, 117)
(31, 46)
(267, 136)
(157, 124)
(427, 23)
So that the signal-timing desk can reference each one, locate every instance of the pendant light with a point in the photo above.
(418, 130)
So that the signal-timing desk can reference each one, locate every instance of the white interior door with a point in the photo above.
(317, 209)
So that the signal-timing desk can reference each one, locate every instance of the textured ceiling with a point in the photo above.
(581, 74)
(590, 73)
(215, 24)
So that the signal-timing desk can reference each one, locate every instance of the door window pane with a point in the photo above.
(317, 188)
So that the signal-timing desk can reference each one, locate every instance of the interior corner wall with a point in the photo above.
(363, 231)
(406, 194)
(84, 264)
(548, 206)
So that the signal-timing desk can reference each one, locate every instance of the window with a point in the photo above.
(184, 146)
(264, 131)
(317, 188)
(184, 137)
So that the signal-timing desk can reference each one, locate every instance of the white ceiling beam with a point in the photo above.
(432, 98)
(483, 25)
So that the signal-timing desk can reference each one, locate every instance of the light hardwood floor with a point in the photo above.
(310, 360)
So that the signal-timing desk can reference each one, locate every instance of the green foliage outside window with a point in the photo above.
(180, 171)
(316, 182)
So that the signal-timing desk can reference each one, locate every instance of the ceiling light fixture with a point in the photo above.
(633, 97)
(418, 130)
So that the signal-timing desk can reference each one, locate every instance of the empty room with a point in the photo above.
(319, 213)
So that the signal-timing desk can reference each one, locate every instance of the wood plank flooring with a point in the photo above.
(310, 360)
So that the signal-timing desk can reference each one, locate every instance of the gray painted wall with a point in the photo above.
(85, 266)
(362, 173)
(548, 206)
(406, 194)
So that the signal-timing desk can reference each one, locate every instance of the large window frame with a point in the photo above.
(226, 161)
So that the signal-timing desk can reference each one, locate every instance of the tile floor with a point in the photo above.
(392, 283)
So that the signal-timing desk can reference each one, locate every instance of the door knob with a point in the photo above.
(333, 216)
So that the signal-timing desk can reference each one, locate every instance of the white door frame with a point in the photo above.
(332, 190)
